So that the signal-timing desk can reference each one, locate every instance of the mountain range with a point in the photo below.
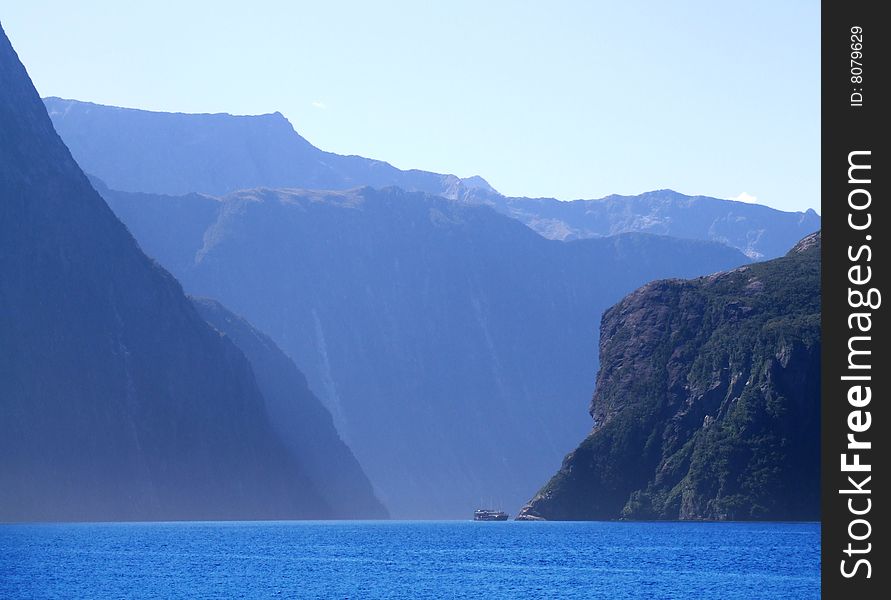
(428, 311)
(445, 331)
(760, 232)
(707, 403)
(176, 154)
(450, 342)
(119, 401)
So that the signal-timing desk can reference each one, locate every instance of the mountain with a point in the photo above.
(299, 418)
(176, 153)
(760, 232)
(119, 401)
(707, 403)
(448, 341)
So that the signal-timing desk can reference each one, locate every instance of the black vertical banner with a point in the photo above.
(856, 367)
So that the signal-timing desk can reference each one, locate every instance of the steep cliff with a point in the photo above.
(707, 404)
(118, 401)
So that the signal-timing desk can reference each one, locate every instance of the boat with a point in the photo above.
(485, 514)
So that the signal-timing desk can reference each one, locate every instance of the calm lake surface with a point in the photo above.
(360, 559)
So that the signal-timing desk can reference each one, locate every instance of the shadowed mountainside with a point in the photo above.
(299, 418)
(119, 401)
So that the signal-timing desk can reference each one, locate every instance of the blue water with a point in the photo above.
(410, 560)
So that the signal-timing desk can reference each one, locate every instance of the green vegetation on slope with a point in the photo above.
(707, 402)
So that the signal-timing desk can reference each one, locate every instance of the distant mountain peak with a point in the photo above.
(57, 105)
(138, 150)
(475, 182)
(758, 231)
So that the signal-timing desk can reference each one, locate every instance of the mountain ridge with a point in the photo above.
(218, 153)
(759, 231)
(179, 153)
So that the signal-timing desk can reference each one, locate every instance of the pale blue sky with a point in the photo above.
(564, 99)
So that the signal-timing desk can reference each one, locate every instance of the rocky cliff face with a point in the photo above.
(707, 403)
(448, 341)
(176, 153)
(118, 400)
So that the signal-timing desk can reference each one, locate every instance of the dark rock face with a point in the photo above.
(299, 418)
(449, 342)
(707, 403)
(118, 400)
(759, 232)
(176, 153)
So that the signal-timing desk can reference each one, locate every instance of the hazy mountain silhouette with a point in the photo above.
(118, 400)
(176, 153)
(451, 343)
(758, 231)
